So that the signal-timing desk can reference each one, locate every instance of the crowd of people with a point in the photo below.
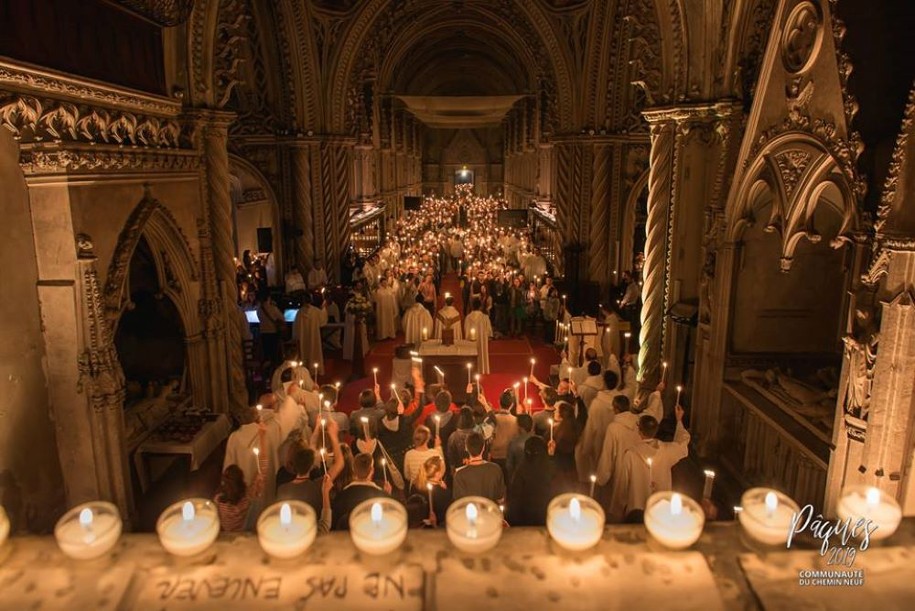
(597, 430)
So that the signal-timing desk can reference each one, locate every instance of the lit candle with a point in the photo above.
(378, 526)
(709, 482)
(524, 379)
(663, 370)
(87, 531)
(550, 420)
(469, 366)
(474, 524)
(188, 527)
(533, 361)
(375, 375)
(365, 426)
(285, 530)
(324, 432)
(257, 456)
(384, 469)
(529, 403)
(429, 490)
(679, 390)
(477, 378)
(473, 333)
(393, 390)
(574, 521)
(593, 481)
(323, 452)
(650, 461)
(315, 365)
(767, 515)
(870, 503)
(260, 411)
(626, 337)
(438, 425)
(674, 520)
(425, 333)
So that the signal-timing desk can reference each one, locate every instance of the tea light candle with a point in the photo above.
(285, 530)
(674, 520)
(87, 531)
(378, 526)
(474, 524)
(766, 515)
(575, 522)
(188, 527)
(4, 526)
(870, 503)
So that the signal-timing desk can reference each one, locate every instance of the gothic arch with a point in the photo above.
(247, 174)
(803, 177)
(175, 263)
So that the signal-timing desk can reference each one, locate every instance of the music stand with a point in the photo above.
(582, 328)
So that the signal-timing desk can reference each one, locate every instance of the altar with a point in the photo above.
(452, 362)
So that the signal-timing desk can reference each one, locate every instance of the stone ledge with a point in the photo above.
(525, 571)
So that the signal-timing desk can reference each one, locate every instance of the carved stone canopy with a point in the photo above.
(163, 12)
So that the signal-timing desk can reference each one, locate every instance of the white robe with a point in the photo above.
(634, 486)
(307, 331)
(349, 337)
(622, 434)
(482, 331)
(448, 313)
(610, 337)
(587, 452)
(415, 320)
(240, 451)
(385, 313)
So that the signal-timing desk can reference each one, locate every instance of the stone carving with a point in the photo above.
(861, 356)
(791, 165)
(801, 38)
(164, 12)
(759, 24)
(38, 161)
(849, 103)
(891, 184)
(33, 119)
(231, 37)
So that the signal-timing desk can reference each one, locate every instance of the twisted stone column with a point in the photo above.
(215, 139)
(303, 208)
(598, 232)
(654, 275)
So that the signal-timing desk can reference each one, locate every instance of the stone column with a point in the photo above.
(303, 205)
(654, 274)
(216, 155)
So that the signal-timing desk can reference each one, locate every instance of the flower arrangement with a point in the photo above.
(360, 307)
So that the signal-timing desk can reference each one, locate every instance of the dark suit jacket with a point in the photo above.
(349, 498)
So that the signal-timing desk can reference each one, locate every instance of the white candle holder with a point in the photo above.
(188, 527)
(378, 526)
(766, 515)
(673, 519)
(88, 531)
(870, 503)
(575, 521)
(287, 529)
(474, 524)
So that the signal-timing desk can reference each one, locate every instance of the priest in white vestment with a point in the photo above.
(415, 320)
(639, 480)
(349, 336)
(478, 327)
(448, 318)
(385, 311)
(622, 434)
(307, 331)
(600, 415)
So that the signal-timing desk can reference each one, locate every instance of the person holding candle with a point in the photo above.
(478, 477)
(245, 438)
(549, 397)
(415, 320)
(234, 498)
(362, 488)
(420, 453)
(455, 448)
(566, 436)
(646, 467)
(516, 307)
(395, 432)
(385, 310)
(371, 406)
(506, 429)
(448, 318)
(478, 326)
(431, 479)
(600, 415)
(328, 411)
(429, 293)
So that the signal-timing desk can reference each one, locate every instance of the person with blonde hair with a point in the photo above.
(416, 457)
(430, 479)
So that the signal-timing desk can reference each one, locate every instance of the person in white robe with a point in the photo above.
(307, 331)
(600, 415)
(385, 311)
(448, 318)
(415, 320)
(639, 480)
(622, 434)
(317, 276)
(349, 335)
(477, 326)
(241, 443)
(610, 336)
(580, 374)
(593, 384)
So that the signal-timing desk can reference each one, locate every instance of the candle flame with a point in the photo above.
(322, 451)
(771, 502)
(187, 511)
(627, 334)
(709, 473)
(593, 478)
(85, 518)
(429, 487)
(575, 509)
(323, 422)
(477, 377)
(376, 513)
(438, 418)
(259, 407)
(364, 420)
(384, 462)
(327, 405)
(676, 504)
(374, 370)
(468, 365)
(257, 452)
(533, 361)
(472, 513)
(873, 497)
(285, 514)
(337, 385)
(679, 388)
(550, 420)
(301, 363)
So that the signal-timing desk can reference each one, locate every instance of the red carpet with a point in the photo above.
(509, 361)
